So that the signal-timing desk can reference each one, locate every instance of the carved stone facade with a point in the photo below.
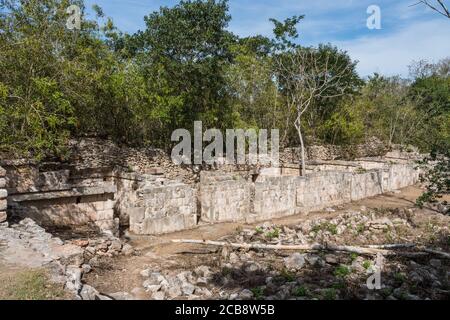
(63, 195)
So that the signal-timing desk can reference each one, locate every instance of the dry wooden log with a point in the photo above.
(386, 250)
(393, 246)
(438, 252)
(314, 247)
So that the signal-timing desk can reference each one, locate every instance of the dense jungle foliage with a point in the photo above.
(57, 83)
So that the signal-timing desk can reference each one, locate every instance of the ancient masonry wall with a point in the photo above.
(61, 197)
(149, 204)
(3, 196)
(163, 209)
(224, 197)
(279, 196)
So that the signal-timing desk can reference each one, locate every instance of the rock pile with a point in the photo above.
(67, 261)
(372, 148)
(187, 284)
(352, 228)
(96, 153)
(245, 274)
(335, 275)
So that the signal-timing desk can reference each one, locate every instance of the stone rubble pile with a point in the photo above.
(264, 274)
(187, 284)
(3, 196)
(95, 153)
(361, 226)
(335, 275)
(67, 261)
(372, 148)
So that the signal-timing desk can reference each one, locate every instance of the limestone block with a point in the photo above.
(225, 201)
(103, 205)
(2, 172)
(136, 228)
(186, 210)
(166, 225)
(136, 215)
(104, 215)
(108, 225)
(3, 193)
(3, 216)
(2, 182)
(3, 205)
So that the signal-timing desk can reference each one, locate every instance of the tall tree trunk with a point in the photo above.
(302, 169)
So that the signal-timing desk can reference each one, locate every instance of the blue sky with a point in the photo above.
(408, 32)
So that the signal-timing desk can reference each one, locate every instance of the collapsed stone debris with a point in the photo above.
(28, 245)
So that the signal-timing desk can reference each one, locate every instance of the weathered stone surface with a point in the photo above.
(89, 293)
(154, 205)
(86, 268)
(159, 295)
(137, 215)
(165, 225)
(73, 283)
(295, 261)
(203, 271)
(187, 288)
(246, 294)
(122, 296)
(127, 250)
(108, 226)
(164, 209)
(76, 192)
(224, 198)
(278, 196)
(3, 216)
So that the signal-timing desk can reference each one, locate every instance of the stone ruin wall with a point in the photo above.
(224, 197)
(272, 196)
(61, 197)
(150, 204)
(3, 195)
(163, 209)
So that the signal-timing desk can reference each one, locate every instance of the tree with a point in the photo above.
(436, 176)
(440, 7)
(430, 90)
(36, 111)
(305, 76)
(187, 47)
(251, 86)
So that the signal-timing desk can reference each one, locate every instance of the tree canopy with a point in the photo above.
(185, 65)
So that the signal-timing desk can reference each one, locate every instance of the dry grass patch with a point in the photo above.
(30, 284)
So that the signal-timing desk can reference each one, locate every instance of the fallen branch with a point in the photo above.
(199, 252)
(393, 246)
(437, 252)
(369, 250)
(314, 247)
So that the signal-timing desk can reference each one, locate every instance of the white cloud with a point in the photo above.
(391, 54)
